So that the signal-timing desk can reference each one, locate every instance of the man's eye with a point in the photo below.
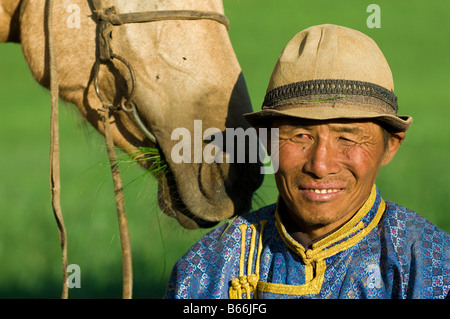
(346, 140)
(301, 138)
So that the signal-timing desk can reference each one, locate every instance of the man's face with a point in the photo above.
(327, 169)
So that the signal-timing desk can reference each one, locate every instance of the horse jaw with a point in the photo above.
(187, 71)
(199, 194)
(202, 194)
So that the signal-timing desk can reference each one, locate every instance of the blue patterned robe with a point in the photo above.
(384, 251)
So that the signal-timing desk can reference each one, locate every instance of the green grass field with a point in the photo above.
(415, 38)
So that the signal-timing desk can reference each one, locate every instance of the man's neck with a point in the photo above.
(305, 235)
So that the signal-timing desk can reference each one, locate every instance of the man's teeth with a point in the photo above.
(325, 191)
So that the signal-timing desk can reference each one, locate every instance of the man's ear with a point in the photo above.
(395, 140)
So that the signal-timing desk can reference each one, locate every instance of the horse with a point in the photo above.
(185, 70)
(137, 83)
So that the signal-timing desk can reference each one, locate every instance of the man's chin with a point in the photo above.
(321, 214)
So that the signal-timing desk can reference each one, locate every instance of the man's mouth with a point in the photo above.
(320, 193)
(324, 190)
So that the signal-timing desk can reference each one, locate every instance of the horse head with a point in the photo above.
(183, 72)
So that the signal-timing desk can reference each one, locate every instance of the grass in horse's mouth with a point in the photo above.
(159, 168)
(156, 163)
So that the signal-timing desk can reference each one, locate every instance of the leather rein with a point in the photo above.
(107, 18)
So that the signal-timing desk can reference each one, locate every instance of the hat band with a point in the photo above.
(329, 86)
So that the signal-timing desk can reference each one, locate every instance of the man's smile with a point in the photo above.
(323, 190)
(320, 194)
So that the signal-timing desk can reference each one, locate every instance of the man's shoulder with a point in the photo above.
(411, 234)
(231, 228)
(404, 221)
(230, 231)
(256, 216)
(228, 235)
(419, 248)
(213, 261)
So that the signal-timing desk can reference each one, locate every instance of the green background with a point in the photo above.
(414, 37)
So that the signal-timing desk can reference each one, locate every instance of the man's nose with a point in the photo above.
(321, 160)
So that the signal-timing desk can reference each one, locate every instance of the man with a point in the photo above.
(330, 235)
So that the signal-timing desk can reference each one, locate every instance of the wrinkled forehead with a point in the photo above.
(343, 124)
(358, 128)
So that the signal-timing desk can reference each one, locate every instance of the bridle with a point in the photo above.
(107, 18)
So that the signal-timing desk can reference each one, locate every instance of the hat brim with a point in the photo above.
(328, 112)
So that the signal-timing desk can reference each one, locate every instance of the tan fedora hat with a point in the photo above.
(331, 72)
